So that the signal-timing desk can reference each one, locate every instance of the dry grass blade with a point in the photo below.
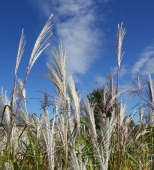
(40, 46)
(20, 50)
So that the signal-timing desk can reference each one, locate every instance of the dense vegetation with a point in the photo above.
(92, 134)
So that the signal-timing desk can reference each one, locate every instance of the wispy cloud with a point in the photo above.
(123, 70)
(75, 24)
(145, 64)
(100, 80)
(124, 89)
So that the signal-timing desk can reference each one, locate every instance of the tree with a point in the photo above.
(103, 100)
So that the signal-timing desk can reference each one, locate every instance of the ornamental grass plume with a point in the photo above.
(58, 75)
(77, 153)
(122, 113)
(89, 111)
(124, 123)
(5, 111)
(120, 36)
(106, 135)
(110, 84)
(60, 125)
(150, 91)
(89, 119)
(75, 162)
(71, 122)
(101, 141)
(20, 90)
(57, 71)
(20, 51)
(74, 97)
(48, 134)
(40, 46)
(150, 95)
(71, 139)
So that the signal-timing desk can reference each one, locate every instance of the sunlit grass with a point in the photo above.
(84, 134)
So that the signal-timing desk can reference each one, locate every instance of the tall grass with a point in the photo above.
(71, 140)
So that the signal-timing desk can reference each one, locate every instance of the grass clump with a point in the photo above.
(92, 134)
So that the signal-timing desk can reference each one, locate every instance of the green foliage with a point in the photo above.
(103, 100)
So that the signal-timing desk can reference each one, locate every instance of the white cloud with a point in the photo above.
(123, 70)
(100, 80)
(124, 89)
(75, 24)
(145, 64)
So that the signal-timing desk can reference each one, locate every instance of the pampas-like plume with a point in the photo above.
(21, 90)
(70, 120)
(120, 35)
(144, 131)
(60, 124)
(40, 46)
(106, 134)
(20, 51)
(150, 86)
(57, 71)
(18, 58)
(5, 114)
(124, 122)
(74, 98)
(110, 84)
(48, 137)
(89, 111)
(76, 162)
(57, 74)
(122, 113)
(102, 148)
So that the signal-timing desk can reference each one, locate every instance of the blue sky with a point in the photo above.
(88, 33)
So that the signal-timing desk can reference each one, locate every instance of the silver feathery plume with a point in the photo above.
(40, 46)
(57, 71)
(73, 94)
(20, 50)
(120, 36)
(150, 86)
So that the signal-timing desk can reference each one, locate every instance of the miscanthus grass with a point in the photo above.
(85, 134)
